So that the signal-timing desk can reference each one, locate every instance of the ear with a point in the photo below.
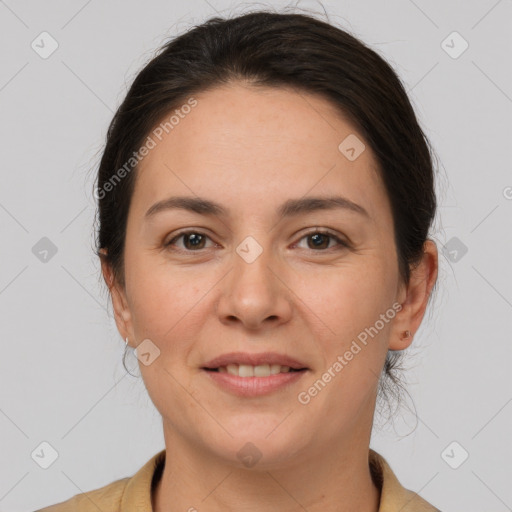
(414, 298)
(122, 312)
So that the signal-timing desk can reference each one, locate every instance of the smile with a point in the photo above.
(247, 370)
(232, 382)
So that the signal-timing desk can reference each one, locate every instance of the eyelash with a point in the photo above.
(342, 243)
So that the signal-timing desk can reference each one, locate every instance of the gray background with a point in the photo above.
(62, 380)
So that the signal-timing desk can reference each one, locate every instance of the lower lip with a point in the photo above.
(254, 386)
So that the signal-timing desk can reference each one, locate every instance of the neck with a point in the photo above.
(335, 480)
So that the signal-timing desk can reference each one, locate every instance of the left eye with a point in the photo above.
(194, 240)
(318, 239)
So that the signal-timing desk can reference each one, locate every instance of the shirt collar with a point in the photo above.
(393, 496)
(137, 493)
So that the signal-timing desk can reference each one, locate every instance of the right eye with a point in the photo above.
(193, 241)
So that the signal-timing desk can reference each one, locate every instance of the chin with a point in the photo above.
(262, 446)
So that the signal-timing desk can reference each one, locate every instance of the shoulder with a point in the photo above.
(124, 495)
(106, 499)
(415, 503)
(393, 495)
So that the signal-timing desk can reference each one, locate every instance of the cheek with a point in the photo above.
(168, 308)
(349, 298)
(351, 334)
(346, 306)
(167, 302)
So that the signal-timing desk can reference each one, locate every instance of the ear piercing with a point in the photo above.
(406, 334)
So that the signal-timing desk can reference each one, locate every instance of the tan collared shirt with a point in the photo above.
(133, 494)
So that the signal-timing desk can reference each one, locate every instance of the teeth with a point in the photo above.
(246, 370)
(276, 368)
(262, 370)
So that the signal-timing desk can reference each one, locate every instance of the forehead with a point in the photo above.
(246, 146)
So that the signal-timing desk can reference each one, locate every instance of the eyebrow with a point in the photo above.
(289, 208)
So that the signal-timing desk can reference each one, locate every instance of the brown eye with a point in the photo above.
(192, 240)
(319, 240)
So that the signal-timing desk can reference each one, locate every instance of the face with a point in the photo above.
(306, 283)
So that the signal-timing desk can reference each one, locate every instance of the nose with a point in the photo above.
(255, 294)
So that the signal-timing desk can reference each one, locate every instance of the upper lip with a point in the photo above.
(254, 360)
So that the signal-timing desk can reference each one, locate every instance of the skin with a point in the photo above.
(250, 150)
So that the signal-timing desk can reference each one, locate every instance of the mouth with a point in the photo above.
(244, 364)
(262, 370)
(252, 375)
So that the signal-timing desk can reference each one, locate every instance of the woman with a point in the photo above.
(265, 199)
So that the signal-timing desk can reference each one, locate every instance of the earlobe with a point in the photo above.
(120, 304)
(406, 338)
(122, 312)
(401, 334)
